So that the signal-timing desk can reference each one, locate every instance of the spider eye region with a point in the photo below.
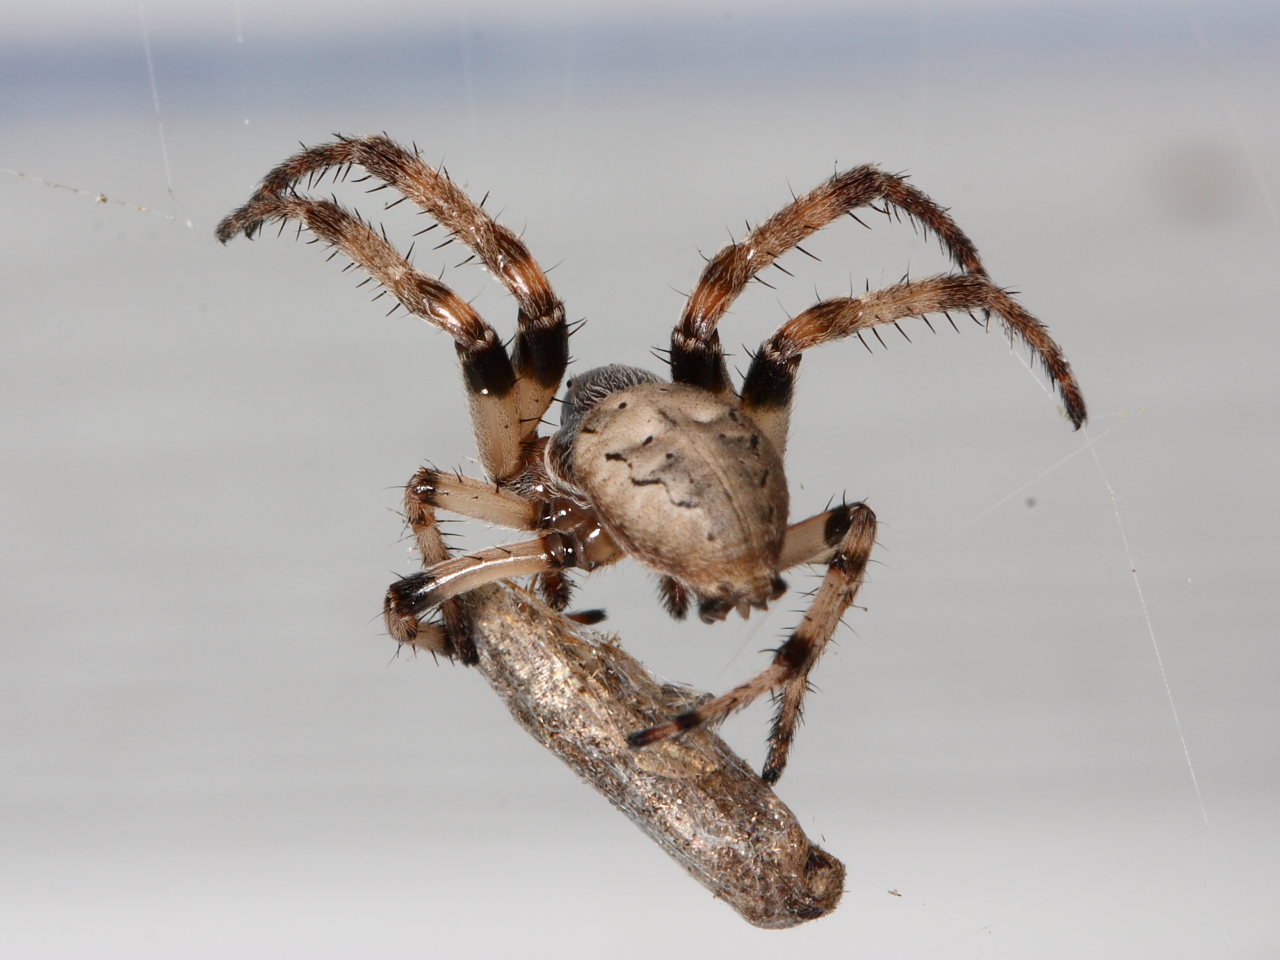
(688, 485)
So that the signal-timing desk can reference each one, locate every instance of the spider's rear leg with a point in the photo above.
(852, 527)
(843, 537)
(431, 489)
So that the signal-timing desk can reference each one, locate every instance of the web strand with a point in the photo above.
(155, 100)
(1151, 630)
(95, 196)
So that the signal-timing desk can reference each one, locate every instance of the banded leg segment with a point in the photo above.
(848, 534)
(470, 497)
(486, 368)
(412, 596)
(696, 357)
(816, 539)
(485, 501)
(542, 339)
(770, 383)
(432, 489)
(449, 636)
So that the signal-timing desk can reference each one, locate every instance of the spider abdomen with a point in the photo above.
(688, 484)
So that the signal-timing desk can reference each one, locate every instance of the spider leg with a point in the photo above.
(816, 539)
(430, 490)
(470, 497)
(555, 588)
(809, 541)
(449, 636)
(542, 339)
(482, 500)
(410, 597)
(486, 368)
(853, 529)
(770, 382)
(674, 597)
(696, 356)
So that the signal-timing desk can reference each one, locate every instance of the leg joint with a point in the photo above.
(562, 549)
(421, 490)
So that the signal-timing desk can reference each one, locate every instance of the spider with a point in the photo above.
(685, 475)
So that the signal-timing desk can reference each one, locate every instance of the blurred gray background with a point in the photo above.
(1052, 732)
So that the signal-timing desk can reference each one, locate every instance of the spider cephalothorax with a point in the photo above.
(685, 476)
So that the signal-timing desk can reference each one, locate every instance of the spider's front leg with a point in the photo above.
(843, 538)
(770, 382)
(696, 354)
(508, 398)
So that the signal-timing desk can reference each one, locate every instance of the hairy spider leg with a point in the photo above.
(432, 489)
(486, 368)
(492, 503)
(843, 537)
(541, 349)
(696, 354)
(770, 382)
(409, 598)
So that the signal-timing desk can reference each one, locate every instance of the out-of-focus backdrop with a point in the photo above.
(1051, 732)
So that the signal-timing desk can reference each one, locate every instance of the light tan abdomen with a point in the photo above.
(688, 484)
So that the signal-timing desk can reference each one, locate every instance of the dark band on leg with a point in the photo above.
(487, 370)
(541, 353)
(796, 653)
(770, 383)
(699, 363)
(837, 525)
